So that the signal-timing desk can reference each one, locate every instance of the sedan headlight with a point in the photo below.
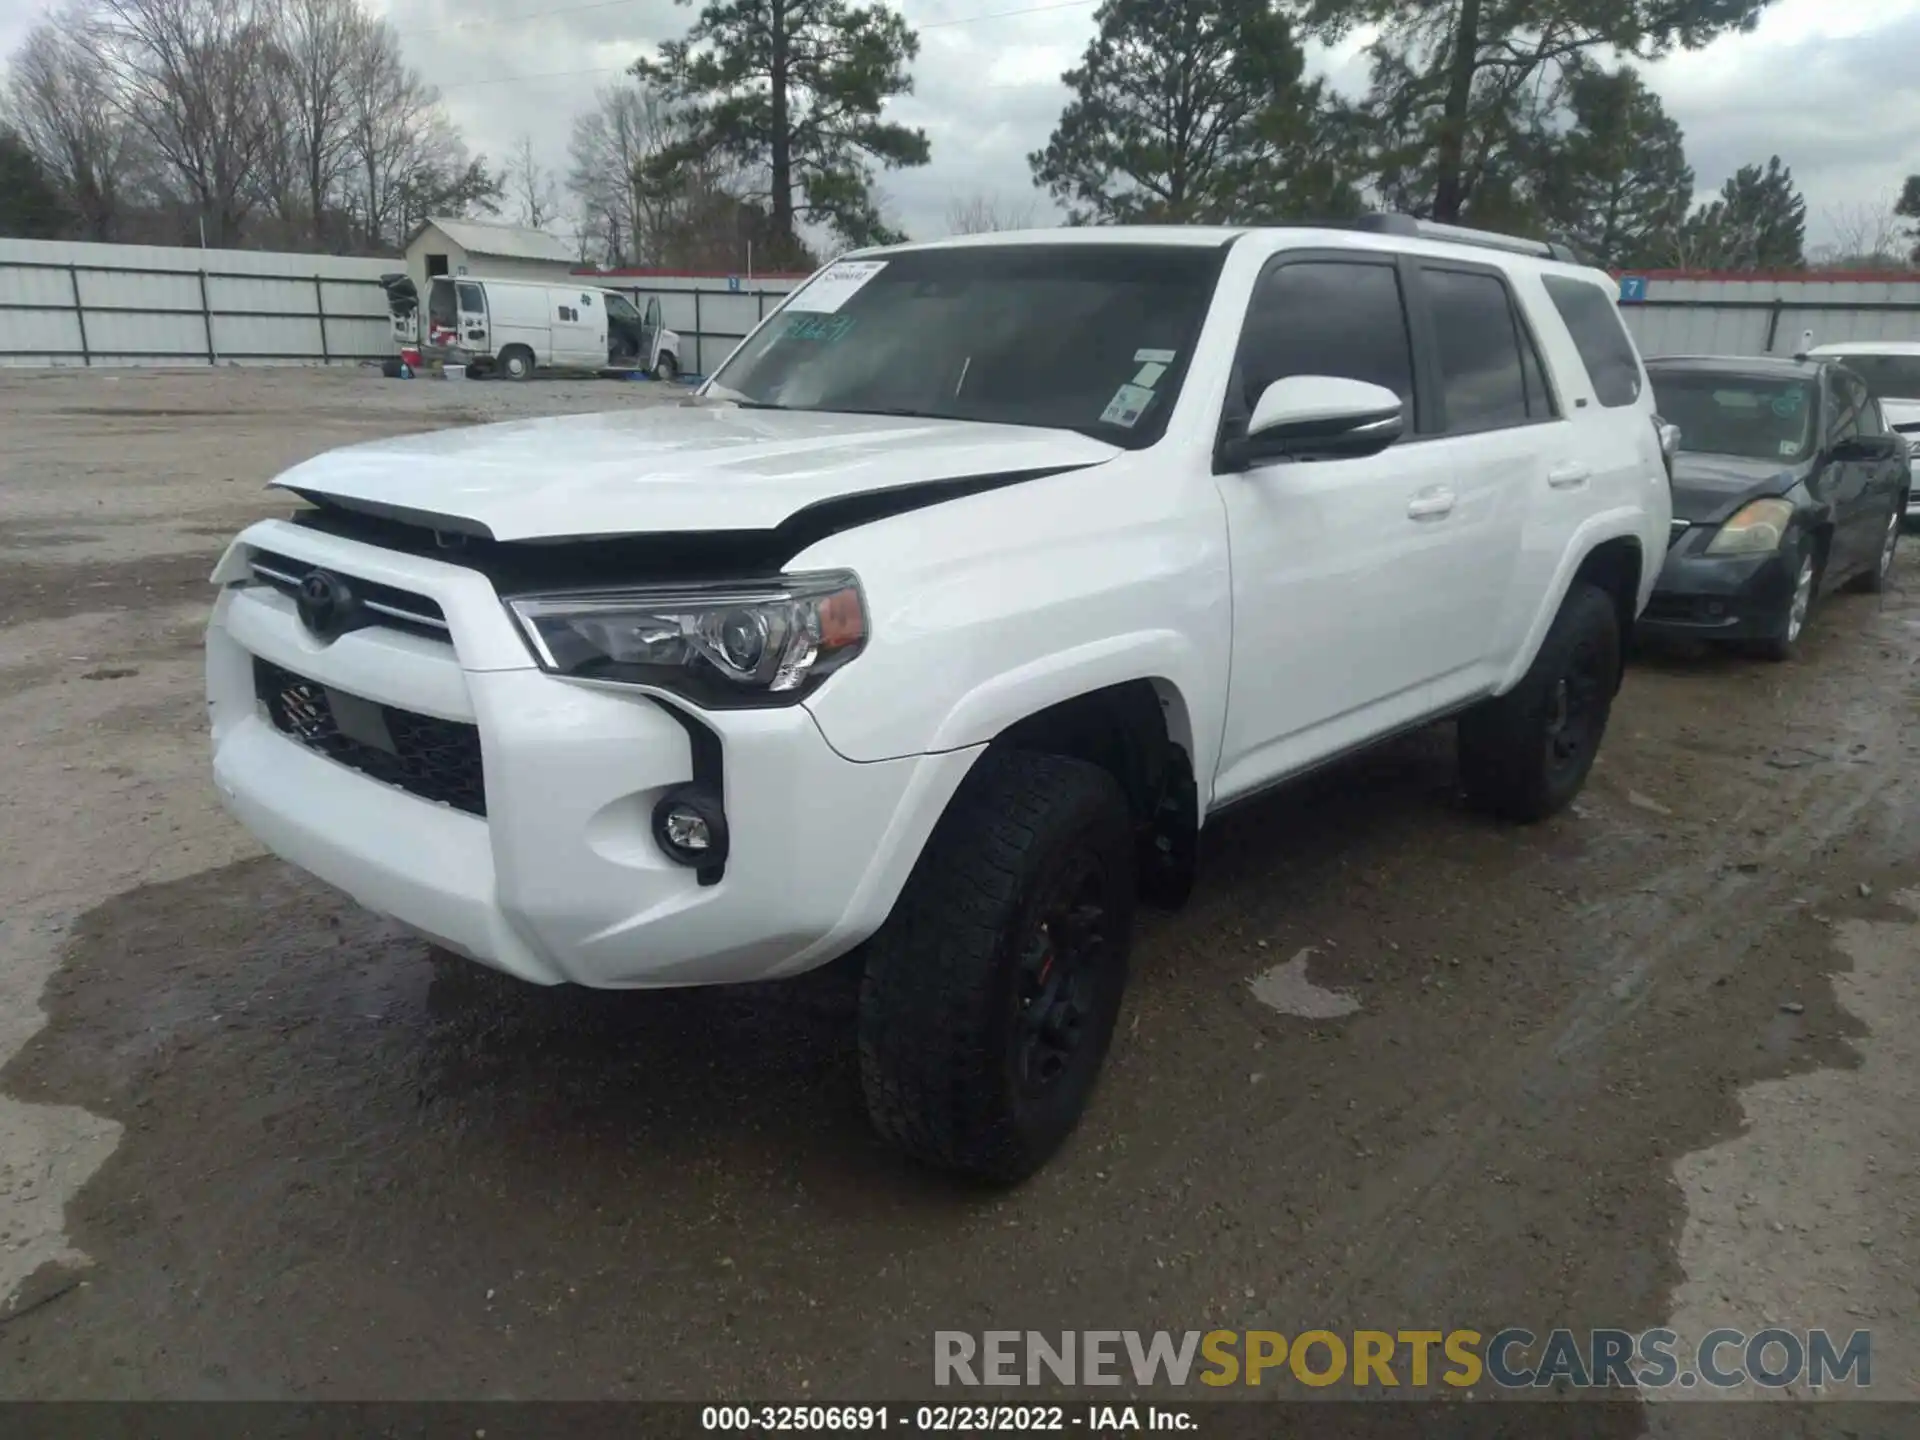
(757, 643)
(1755, 529)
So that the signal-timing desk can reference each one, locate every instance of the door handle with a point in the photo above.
(1431, 504)
(1569, 476)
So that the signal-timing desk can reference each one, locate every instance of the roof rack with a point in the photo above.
(1384, 222)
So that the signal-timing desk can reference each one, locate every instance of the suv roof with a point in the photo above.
(1868, 347)
(1375, 223)
(1756, 365)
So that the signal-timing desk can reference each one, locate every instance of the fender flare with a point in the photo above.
(1164, 658)
(1596, 530)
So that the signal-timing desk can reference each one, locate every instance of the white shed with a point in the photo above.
(499, 252)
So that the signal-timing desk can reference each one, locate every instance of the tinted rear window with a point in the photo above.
(1598, 334)
(1891, 377)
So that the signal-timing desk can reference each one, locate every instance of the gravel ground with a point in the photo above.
(1648, 1063)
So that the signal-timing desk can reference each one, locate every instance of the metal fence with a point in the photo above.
(1680, 314)
(85, 304)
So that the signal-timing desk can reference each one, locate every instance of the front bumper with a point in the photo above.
(1718, 597)
(560, 880)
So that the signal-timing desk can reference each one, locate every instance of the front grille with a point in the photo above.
(438, 760)
(400, 609)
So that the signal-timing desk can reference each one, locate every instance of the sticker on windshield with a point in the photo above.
(1153, 357)
(1787, 403)
(1789, 447)
(836, 285)
(1129, 403)
(824, 328)
(1149, 375)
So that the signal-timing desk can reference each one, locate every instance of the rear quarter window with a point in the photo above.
(1592, 318)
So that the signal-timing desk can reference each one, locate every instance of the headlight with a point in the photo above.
(1755, 529)
(723, 646)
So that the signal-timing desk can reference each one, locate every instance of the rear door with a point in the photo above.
(1354, 585)
(472, 321)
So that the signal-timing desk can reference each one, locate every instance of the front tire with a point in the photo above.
(668, 370)
(991, 993)
(1780, 648)
(1525, 755)
(1874, 581)
(516, 363)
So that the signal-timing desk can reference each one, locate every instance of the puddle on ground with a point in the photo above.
(1286, 988)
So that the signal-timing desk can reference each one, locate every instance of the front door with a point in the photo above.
(471, 303)
(1363, 589)
(651, 331)
(1856, 533)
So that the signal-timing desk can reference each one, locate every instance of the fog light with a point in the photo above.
(691, 828)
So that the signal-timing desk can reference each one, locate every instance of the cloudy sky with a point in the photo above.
(1830, 85)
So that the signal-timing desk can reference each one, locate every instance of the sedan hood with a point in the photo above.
(1707, 489)
(670, 468)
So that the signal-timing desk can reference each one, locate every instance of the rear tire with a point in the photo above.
(1526, 754)
(991, 992)
(516, 363)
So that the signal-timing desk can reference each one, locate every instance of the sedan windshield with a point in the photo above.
(1890, 377)
(1087, 337)
(1755, 418)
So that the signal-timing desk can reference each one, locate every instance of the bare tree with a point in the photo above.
(695, 222)
(1866, 236)
(322, 42)
(193, 76)
(60, 99)
(531, 186)
(407, 163)
(981, 214)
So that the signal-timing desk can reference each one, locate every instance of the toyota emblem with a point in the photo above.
(325, 604)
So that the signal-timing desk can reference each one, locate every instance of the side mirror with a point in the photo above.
(1321, 417)
(1857, 448)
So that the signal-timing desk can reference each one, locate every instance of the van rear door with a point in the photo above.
(471, 299)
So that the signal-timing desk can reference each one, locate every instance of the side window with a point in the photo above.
(1871, 422)
(1327, 317)
(1593, 319)
(471, 300)
(1482, 374)
(1843, 415)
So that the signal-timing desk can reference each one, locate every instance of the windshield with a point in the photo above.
(621, 308)
(1891, 377)
(1754, 418)
(1087, 337)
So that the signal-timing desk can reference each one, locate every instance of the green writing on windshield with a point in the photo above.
(824, 328)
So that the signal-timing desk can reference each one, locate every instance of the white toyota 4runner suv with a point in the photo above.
(943, 616)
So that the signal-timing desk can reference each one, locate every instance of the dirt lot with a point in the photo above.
(1650, 1063)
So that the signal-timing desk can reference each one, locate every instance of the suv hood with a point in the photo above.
(1707, 489)
(670, 468)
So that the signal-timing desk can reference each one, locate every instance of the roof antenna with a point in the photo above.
(1806, 345)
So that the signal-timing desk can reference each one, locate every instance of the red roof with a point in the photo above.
(644, 274)
(1787, 277)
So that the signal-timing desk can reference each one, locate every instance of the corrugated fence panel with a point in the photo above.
(145, 337)
(1772, 314)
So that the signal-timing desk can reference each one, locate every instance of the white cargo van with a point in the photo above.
(515, 327)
